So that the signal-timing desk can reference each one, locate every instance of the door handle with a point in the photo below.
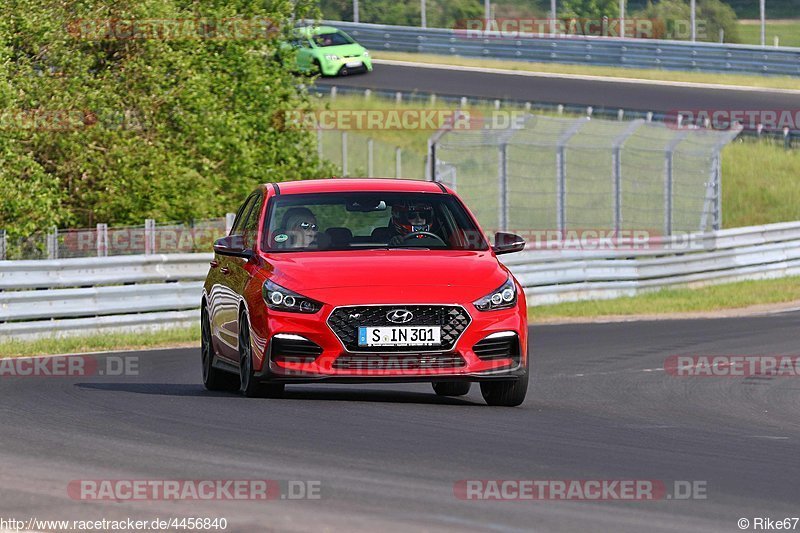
(214, 263)
(225, 270)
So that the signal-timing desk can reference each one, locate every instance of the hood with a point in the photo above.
(403, 269)
(353, 49)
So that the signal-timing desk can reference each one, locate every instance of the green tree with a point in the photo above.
(672, 20)
(99, 126)
(589, 9)
(440, 13)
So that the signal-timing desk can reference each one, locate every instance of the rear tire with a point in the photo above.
(248, 384)
(451, 388)
(509, 393)
(213, 378)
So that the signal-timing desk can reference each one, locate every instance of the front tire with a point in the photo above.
(248, 384)
(214, 379)
(509, 393)
(451, 388)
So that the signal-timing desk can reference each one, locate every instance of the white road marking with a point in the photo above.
(607, 373)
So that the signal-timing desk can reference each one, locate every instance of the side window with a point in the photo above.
(250, 226)
(241, 215)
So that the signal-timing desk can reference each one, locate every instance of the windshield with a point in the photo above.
(332, 39)
(358, 221)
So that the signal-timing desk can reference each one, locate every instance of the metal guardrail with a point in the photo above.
(80, 296)
(633, 53)
(94, 295)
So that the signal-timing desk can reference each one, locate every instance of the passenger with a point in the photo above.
(300, 224)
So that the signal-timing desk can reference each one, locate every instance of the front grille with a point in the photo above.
(345, 321)
(498, 348)
(294, 350)
(398, 362)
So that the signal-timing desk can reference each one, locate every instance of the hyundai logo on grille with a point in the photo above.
(399, 316)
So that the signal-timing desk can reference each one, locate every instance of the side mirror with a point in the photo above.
(232, 245)
(506, 243)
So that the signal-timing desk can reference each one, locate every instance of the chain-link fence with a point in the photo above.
(102, 240)
(359, 155)
(561, 174)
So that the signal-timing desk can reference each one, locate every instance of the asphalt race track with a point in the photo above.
(614, 95)
(387, 456)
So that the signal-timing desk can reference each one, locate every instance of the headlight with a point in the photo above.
(332, 57)
(366, 54)
(281, 299)
(505, 297)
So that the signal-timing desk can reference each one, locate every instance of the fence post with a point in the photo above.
(344, 153)
(49, 241)
(102, 240)
(717, 177)
(370, 161)
(430, 160)
(502, 171)
(668, 192)
(230, 218)
(3, 245)
(561, 172)
(668, 182)
(398, 163)
(149, 236)
(52, 244)
(616, 162)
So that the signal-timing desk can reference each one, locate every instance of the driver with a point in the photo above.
(410, 218)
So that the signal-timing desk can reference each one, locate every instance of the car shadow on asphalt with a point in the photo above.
(292, 393)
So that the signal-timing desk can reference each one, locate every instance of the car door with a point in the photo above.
(305, 55)
(224, 298)
(240, 268)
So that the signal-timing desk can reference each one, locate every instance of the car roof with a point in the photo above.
(316, 30)
(357, 185)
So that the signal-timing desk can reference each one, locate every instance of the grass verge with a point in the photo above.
(773, 82)
(686, 300)
(105, 342)
(759, 183)
(787, 32)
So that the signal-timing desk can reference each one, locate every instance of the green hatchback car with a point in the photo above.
(329, 52)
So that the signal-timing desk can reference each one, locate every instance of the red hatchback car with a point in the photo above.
(363, 280)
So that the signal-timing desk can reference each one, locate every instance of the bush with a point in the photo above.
(95, 128)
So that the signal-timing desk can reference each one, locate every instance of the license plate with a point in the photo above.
(353, 64)
(400, 336)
